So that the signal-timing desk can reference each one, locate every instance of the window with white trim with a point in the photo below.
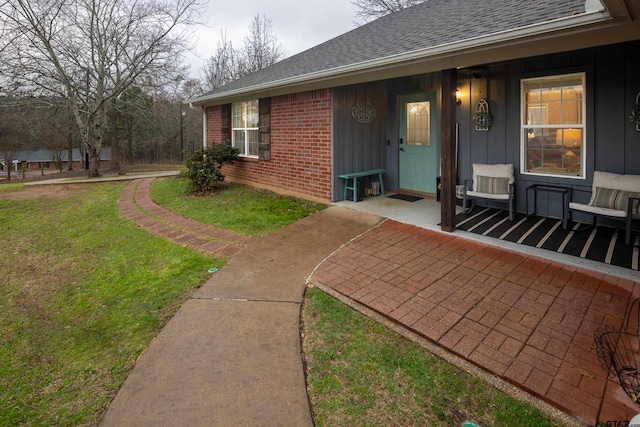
(244, 123)
(553, 125)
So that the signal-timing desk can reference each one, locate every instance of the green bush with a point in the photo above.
(204, 167)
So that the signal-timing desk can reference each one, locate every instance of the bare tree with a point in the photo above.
(162, 127)
(261, 47)
(8, 143)
(125, 113)
(369, 10)
(260, 50)
(16, 134)
(55, 134)
(87, 52)
(224, 66)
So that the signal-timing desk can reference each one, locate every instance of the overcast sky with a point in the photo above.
(298, 24)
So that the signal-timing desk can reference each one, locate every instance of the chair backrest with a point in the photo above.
(492, 171)
(614, 181)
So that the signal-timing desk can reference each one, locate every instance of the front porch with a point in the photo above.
(425, 213)
(513, 314)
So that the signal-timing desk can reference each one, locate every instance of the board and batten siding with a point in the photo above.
(358, 146)
(612, 144)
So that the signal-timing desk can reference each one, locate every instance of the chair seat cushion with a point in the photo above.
(487, 195)
(597, 210)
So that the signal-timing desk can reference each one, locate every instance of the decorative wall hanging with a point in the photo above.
(634, 117)
(363, 112)
(482, 118)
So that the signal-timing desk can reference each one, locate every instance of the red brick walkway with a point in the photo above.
(136, 203)
(527, 320)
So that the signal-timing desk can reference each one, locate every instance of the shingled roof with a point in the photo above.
(430, 26)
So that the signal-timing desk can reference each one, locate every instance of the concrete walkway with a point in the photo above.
(232, 355)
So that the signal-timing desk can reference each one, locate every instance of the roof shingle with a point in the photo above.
(427, 25)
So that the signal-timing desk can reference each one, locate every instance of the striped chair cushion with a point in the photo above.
(492, 185)
(615, 199)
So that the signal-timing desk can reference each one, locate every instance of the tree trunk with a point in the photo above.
(115, 152)
(94, 162)
(94, 143)
(8, 162)
(70, 154)
(130, 138)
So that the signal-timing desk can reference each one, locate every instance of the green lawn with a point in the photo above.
(234, 207)
(7, 188)
(82, 293)
(362, 374)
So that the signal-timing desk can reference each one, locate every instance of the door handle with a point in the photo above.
(401, 149)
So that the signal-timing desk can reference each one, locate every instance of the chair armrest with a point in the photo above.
(630, 206)
(466, 184)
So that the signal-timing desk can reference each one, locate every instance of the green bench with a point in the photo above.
(354, 177)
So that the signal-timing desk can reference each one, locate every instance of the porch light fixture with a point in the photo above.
(458, 98)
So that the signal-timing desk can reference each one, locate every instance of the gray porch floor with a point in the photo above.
(425, 213)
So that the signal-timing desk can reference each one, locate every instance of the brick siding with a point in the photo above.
(300, 146)
(214, 124)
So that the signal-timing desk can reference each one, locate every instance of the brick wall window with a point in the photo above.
(296, 156)
(244, 122)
